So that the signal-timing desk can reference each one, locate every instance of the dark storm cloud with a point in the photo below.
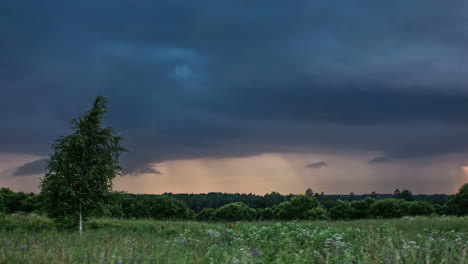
(148, 170)
(235, 78)
(316, 165)
(31, 168)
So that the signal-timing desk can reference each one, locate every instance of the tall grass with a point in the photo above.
(33, 239)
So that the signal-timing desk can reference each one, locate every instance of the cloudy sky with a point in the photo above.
(243, 96)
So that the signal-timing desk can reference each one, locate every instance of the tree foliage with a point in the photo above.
(317, 213)
(405, 195)
(342, 211)
(389, 208)
(458, 205)
(206, 214)
(296, 208)
(234, 212)
(420, 208)
(362, 208)
(81, 168)
(168, 208)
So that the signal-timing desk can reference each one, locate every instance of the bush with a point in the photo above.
(420, 208)
(440, 209)
(317, 213)
(169, 208)
(206, 214)
(342, 211)
(26, 222)
(297, 208)
(362, 207)
(389, 208)
(2, 206)
(265, 214)
(234, 212)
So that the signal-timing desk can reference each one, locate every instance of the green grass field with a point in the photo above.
(32, 239)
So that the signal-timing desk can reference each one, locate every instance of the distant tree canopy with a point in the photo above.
(241, 207)
(405, 195)
(81, 168)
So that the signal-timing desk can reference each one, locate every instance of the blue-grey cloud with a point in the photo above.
(316, 165)
(236, 78)
(31, 168)
(380, 159)
(148, 170)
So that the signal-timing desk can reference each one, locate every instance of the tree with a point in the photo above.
(2, 205)
(309, 192)
(206, 214)
(405, 195)
(458, 205)
(362, 207)
(420, 208)
(265, 214)
(81, 168)
(297, 208)
(237, 211)
(317, 213)
(342, 211)
(396, 192)
(389, 208)
(169, 208)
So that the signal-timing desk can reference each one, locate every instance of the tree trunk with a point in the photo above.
(81, 221)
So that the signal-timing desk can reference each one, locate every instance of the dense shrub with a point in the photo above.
(235, 212)
(362, 207)
(389, 208)
(169, 208)
(206, 214)
(342, 211)
(140, 207)
(2, 206)
(440, 209)
(25, 222)
(420, 208)
(317, 213)
(265, 214)
(297, 208)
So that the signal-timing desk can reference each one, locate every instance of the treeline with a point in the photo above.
(197, 202)
(271, 206)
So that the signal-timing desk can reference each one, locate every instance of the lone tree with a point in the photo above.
(81, 168)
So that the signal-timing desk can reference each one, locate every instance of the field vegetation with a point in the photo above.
(34, 239)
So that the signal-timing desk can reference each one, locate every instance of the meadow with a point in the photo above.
(33, 239)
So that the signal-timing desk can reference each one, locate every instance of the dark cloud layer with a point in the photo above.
(380, 160)
(148, 170)
(234, 78)
(31, 168)
(316, 165)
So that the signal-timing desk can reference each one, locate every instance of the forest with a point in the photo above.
(271, 206)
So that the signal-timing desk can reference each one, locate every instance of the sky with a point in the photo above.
(243, 96)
